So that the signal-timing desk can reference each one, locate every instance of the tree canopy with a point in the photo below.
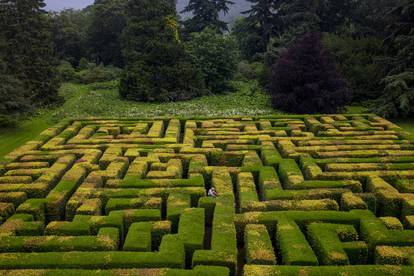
(305, 79)
(206, 13)
(156, 67)
(27, 48)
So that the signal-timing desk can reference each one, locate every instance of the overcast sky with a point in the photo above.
(58, 5)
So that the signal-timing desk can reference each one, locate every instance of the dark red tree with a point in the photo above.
(305, 79)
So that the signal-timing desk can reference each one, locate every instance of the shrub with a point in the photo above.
(7, 121)
(305, 79)
(98, 74)
(28, 49)
(85, 64)
(358, 61)
(249, 71)
(66, 72)
(215, 55)
(87, 72)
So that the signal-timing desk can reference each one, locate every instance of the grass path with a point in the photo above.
(101, 100)
(24, 132)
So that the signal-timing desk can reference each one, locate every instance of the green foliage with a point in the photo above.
(106, 85)
(12, 98)
(359, 62)
(107, 21)
(66, 72)
(248, 99)
(324, 16)
(398, 97)
(262, 15)
(281, 21)
(206, 13)
(90, 72)
(156, 69)
(216, 57)
(247, 37)
(7, 121)
(85, 64)
(69, 34)
(369, 18)
(249, 71)
(97, 74)
(24, 24)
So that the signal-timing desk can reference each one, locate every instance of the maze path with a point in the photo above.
(313, 195)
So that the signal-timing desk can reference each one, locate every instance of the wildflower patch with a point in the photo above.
(227, 196)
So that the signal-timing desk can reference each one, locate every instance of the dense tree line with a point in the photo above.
(398, 97)
(164, 57)
(206, 13)
(27, 60)
(149, 41)
(156, 67)
(370, 40)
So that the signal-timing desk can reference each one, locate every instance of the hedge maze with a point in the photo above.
(297, 195)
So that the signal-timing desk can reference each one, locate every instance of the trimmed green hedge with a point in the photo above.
(259, 249)
(100, 260)
(355, 270)
(197, 271)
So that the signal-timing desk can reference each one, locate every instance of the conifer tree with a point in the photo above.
(28, 50)
(206, 13)
(262, 17)
(12, 97)
(397, 99)
(156, 67)
(305, 79)
(107, 20)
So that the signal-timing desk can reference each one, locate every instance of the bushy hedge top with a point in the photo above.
(325, 193)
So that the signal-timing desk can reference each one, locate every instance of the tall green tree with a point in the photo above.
(69, 34)
(13, 97)
(262, 16)
(28, 48)
(247, 36)
(156, 67)
(107, 21)
(400, 40)
(369, 18)
(398, 95)
(358, 60)
(206, 13)
(317, 15)
(216, 55)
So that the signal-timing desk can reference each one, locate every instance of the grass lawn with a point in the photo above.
(25, 131)
(102, 100)
(407, 124)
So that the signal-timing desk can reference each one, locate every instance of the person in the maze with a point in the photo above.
(212, 192)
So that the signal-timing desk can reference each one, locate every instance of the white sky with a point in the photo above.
(58, 5)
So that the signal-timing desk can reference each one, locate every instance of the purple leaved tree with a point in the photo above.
(305, 79)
